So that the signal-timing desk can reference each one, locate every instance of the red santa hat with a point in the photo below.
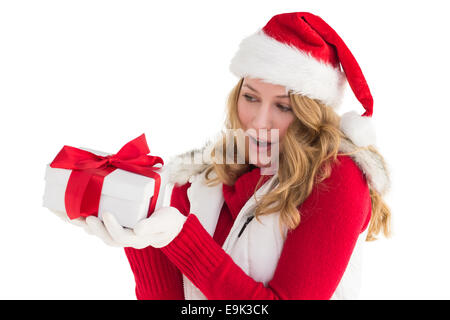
(302, 52)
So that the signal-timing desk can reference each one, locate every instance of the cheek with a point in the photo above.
(244, 115)
(284, 123)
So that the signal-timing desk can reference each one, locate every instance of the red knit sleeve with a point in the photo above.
(315, 254)
(157, 278)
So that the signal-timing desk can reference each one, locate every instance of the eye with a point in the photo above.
(284, 108)
(249, 98)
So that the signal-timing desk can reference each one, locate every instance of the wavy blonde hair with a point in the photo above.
(310, 147)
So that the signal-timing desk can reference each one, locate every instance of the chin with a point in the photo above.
(260, 164)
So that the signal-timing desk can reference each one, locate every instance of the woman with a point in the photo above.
(312, 214)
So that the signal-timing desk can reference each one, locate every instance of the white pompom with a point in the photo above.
(359, 129)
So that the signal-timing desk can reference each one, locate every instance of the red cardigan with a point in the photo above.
(312, 262)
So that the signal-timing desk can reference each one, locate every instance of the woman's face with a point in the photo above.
(263, 107)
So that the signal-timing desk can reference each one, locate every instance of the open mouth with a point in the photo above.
(260, 143)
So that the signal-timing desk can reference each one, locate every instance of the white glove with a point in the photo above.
(157, 231)
(95, 227)
(79, 222)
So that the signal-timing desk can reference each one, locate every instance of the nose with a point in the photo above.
(263, 117)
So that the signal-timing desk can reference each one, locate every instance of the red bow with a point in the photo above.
(82, 197)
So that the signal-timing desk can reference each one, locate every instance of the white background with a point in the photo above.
(97, 74)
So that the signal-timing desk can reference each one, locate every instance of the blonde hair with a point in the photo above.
(310, 147)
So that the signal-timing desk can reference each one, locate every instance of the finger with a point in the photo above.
(59, 214)
(159, 223)
(161, 240)
(79, 222)
(97, 228)
(88, 230)
(148, 226)
(160, 220)
(118, 233)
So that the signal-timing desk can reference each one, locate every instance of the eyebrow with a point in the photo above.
(246, 85)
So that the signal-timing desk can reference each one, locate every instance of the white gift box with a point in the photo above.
(125, 194)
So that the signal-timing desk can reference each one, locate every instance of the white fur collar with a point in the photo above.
(181, 167)
(371, 165)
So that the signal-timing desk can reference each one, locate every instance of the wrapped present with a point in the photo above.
(129, 184)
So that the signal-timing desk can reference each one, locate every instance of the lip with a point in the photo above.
(260, 140)
(258, 143)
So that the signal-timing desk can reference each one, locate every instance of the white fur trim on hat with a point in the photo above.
(359, 129)
(263, 57)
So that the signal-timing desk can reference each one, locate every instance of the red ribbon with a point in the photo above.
(82, 197)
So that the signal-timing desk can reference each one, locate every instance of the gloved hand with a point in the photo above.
(95, 225)
(157, 231)
(79, 222)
